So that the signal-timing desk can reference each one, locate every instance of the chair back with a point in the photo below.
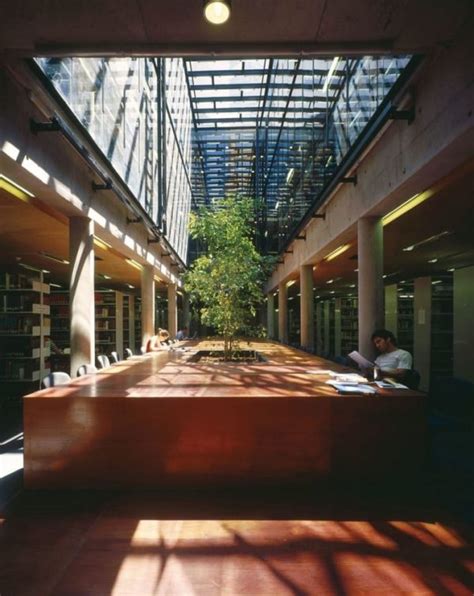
(86, 369)
(103, 361)
(114, 357)
(143, 349)
(128, 353)
(412, 379)
(54, 379)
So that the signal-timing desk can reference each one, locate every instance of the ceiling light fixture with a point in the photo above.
(413, 202)
(101, 243)
(427, 241)
(217, 12)
(15, 189)
(338, 251)
(51, 257)
(134, 264)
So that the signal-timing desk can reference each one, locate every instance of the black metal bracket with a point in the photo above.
(153, 240)
(51, 126)
(408, 115)
(318, 216)
(136, 220)
(349, 180)
(105, 186)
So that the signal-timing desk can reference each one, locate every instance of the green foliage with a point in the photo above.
(227, 281)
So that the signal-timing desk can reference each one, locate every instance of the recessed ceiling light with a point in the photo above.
(433, 261)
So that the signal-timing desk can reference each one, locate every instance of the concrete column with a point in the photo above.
(119, 335)
(148, 303)
(370, 257)
(283, 313)
(186, 312)
(270, 316)
(131, 322)
(172, 311)
(81, 288)
(306, 307)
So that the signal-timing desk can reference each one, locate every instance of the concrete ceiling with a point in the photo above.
(177, 27)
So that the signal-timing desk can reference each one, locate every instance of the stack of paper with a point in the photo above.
(349, 377)
(353, 388)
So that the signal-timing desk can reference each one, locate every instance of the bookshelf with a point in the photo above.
(105, 322)
(442, 326)
(349, 325)
(138, 323)
(405, 315)
(60, 330)
(24, 332)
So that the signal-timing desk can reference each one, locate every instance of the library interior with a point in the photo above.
(128, 470)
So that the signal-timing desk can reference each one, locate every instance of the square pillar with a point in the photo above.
(306, 307)
(81, 287)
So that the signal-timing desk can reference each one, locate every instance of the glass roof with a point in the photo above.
(277, 129)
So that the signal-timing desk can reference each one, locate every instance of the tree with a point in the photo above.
(227, 281)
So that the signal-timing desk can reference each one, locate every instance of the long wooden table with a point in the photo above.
(159, 420)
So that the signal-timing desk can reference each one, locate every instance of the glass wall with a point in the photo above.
(120, 103)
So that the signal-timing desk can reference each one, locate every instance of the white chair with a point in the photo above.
(143, 350)
(86, 369)
(114, 357)
(103, 361)
(54, 379)
(128, 353)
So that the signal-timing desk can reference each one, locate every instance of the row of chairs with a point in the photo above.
(61, 378)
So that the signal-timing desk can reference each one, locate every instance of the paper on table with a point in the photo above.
(354, 388)
(361, 361)
(318, 371)
(390, 385)
(349, 377)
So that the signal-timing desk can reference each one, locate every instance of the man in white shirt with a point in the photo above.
(392, 361)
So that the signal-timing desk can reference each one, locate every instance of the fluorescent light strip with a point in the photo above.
(15, 189)
(134, 264)
(338, 251)
(102, 243)
(53, 258)
(413, 202)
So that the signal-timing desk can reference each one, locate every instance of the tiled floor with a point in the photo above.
(316, 541)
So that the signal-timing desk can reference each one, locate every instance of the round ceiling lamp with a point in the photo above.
(217, 12)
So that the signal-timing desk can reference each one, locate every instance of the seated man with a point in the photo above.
(182, 334)
(392, 361)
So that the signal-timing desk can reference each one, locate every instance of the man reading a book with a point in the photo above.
(391, 361)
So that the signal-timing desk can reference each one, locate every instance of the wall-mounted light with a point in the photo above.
(217, 12)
